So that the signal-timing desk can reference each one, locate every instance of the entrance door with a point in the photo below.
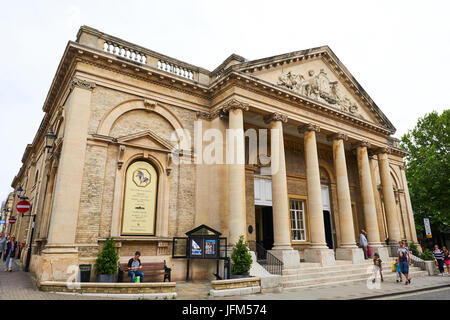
(327, 218)
(328, 230)
(264, 226)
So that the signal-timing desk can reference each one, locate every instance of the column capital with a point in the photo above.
(275, 116)
(234, 104)
(386, 150)
(362, 144)
(309, 127)
(83, 84)
(337, 136)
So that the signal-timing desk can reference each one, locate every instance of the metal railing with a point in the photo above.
(267, 260)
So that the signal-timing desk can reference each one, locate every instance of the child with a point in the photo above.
(398, 271)
(377, 267)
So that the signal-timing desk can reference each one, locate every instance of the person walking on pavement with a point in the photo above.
(363, 243)
(404, 259)
(439, 258)
(446, 258)
(11, 251)
(2, 244)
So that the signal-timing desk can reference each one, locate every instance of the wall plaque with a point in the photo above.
(139, 208)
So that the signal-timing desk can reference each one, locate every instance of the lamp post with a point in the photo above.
(27, 264)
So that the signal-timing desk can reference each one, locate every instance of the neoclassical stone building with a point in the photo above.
(135, 134)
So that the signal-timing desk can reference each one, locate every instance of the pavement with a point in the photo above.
(18, 285)
(357, 291)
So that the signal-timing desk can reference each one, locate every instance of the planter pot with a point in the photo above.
(106, 278)
(240, 276)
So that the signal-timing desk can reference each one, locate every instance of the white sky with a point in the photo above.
(397, 50)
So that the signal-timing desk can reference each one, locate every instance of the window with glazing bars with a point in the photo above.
(298, 229)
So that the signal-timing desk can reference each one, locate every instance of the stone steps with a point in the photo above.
(387, 277)
(336, 273)
(312, 275)
(359, 274)
(325, 269)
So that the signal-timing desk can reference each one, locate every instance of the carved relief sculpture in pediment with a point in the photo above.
(318, 87)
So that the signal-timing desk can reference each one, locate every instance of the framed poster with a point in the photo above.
(196, 247)
(139, 207)
(211, 248)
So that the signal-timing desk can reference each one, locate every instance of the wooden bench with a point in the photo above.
(153, 271)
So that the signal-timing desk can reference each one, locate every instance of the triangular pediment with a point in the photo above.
(318, 75)
(147, 139)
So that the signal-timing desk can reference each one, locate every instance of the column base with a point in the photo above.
(60, 266)
(323, 256)
(356, 255)
(393, 247)
(289, 257)
(382, 251)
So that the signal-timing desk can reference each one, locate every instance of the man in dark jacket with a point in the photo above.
(2, 244)
(134, 267)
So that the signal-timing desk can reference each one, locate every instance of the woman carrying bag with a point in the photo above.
(11, 251)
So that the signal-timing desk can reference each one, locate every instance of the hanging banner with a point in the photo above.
(426, 223)
(139, 209)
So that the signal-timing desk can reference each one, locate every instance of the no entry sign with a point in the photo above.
(12, 220)
(23, 206)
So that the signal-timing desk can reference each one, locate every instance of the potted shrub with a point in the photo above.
(106, 263)
(241, 260)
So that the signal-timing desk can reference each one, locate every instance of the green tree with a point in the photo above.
(242, 260)
(107, 260)
(428, 169)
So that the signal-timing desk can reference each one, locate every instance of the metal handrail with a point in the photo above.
(267, 260)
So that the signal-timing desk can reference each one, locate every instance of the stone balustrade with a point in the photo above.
(124, 52)
(177, 70)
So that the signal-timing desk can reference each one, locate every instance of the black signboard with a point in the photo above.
(202, 242)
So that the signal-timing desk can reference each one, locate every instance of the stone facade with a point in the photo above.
(113, 103)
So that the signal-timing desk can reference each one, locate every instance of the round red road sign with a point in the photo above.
(23, 206)
(12, 220)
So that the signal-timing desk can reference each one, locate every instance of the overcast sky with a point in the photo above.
(397, 50)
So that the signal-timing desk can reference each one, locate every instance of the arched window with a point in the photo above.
(140, 199)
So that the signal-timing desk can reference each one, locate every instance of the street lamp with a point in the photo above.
(50, 138)
(19, 193)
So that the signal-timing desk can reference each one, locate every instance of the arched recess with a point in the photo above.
(162, 209)
(115, 113)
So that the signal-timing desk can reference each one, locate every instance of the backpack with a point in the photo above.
(404, 256)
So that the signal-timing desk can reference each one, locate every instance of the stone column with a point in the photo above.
(236, 173)
(282, 248)
(370, 214)
(389, 198)
(348, 249)
(412, 224)
(318, 251)
(60, 250)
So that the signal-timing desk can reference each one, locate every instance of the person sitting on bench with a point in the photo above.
(134, 267)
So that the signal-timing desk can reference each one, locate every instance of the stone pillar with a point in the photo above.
(373, 161)
(389, 198)
(318, 251)
(236, 173)
(412, 224)
(348, 249)
(370, 214)
(282, 248)
(60, 250)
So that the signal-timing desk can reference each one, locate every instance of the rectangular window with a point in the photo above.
(298, 223)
